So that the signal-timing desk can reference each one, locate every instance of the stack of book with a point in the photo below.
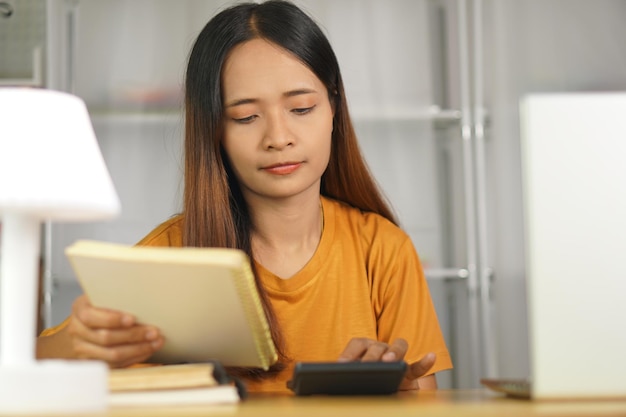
(172, 385)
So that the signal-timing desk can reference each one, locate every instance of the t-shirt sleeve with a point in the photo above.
(168, 233)
(404, 307)
(55, 329)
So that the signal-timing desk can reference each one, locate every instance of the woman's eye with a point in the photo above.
(303, 110)
(245, 120)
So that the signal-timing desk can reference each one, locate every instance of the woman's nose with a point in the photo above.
(277, 133)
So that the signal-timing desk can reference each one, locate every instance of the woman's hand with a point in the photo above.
(111, 336)
(368, 350)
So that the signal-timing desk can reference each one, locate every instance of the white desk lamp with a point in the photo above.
(50, 168)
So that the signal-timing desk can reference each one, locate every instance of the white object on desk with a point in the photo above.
(50, 169)
(574, 166)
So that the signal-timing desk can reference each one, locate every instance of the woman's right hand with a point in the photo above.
(111, 336)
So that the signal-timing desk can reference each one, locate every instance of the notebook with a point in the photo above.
(574, 178)
(204, 300)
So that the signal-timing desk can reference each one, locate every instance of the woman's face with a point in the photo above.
(278, 121)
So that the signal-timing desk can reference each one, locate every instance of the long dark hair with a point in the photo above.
(210, 186)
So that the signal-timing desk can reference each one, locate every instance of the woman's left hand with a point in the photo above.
(368, 350)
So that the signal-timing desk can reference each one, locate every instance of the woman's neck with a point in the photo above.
(286, 233)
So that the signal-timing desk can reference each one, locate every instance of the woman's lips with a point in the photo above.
(283, 168)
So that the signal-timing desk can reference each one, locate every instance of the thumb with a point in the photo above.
(418, 369)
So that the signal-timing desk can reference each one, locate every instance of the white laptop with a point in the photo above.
(574, 178)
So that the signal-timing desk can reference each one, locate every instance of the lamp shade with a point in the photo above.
(51, 168)
(50, 163)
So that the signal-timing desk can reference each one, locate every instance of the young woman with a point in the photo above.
(272, 167)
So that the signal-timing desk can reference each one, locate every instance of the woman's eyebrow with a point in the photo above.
(242, 101)
(298, 92)
(290, 93)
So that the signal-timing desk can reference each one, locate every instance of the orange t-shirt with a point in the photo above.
(364, 280)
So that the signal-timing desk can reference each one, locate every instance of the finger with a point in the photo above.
(375, 351)
(418, 369)
(396, 351)
(355, 348)
(366, 350)
(118, 356)
(94, 317)
(113, 337)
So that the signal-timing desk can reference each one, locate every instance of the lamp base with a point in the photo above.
(54, 386)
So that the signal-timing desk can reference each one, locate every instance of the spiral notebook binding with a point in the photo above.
(246, 287)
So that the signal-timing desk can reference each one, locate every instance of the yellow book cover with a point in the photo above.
(204, 300)
(173, 385)
(189, 375)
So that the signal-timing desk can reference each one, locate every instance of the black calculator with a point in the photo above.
(347, 378)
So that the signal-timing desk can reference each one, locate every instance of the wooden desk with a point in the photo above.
(448, 403)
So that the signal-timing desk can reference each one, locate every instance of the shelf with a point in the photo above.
(35, 80)
(446, 273)
(172, 117)
(440, 117)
